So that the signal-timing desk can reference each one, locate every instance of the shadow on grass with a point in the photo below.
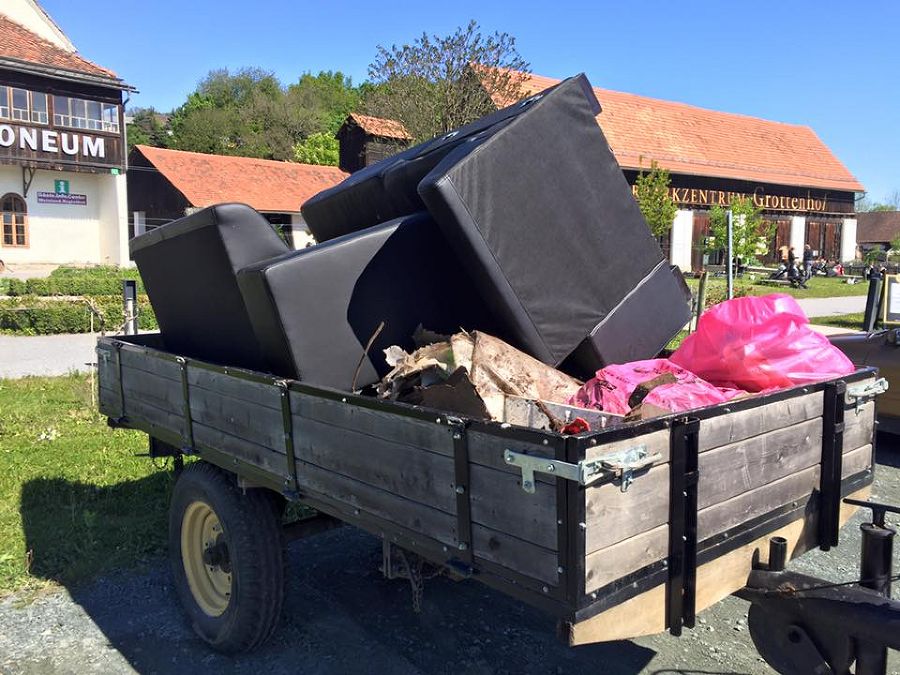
(74, 530)
(340, 615)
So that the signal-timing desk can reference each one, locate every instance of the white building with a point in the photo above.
(62, 147)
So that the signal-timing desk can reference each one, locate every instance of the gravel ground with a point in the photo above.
(341, 616)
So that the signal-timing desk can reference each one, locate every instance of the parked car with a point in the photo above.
(881, 350)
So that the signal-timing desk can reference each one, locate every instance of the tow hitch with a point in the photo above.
(801, 624)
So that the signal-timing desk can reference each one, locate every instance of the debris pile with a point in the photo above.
(473, 374)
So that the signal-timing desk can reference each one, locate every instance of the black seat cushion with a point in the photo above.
(546, 223)
(388, 189)
(315, 310)
(189, 269)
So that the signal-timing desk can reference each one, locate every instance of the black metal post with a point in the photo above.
(875, 569)
(129, 302)
(777, 554)
(873, 302)
(877, 557)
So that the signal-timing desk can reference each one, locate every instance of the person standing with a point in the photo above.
(807, 261)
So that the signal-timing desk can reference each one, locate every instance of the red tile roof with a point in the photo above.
(19, 43)
(378, 126)
(264, 184)
(877, 227)
(686, 139)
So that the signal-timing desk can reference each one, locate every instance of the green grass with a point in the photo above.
(851, 321)
(819, 287)
(74, 498)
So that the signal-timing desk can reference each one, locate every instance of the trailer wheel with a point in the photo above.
(227, 554)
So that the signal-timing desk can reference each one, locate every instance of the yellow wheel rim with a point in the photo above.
(204, 553)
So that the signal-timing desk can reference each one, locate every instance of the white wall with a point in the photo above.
(680, 242)
(848, 240)
(67, 233)
(28, 14)
(114, 220)
(300, 233)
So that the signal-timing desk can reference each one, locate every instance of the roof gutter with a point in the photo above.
(64, 74)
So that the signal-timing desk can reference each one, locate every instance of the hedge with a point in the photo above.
(75, 281)
(32, 316)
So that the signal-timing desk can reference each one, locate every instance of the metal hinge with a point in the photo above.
(863, 393)
(621, 464)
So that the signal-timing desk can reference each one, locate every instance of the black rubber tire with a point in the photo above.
(251, 524)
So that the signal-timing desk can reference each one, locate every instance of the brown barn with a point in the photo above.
(365, 140)
(164, 185)
(877, 229)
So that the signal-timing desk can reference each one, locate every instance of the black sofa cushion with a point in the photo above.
(314, 310)
(546, 223)
(388, 189)
(189, 269)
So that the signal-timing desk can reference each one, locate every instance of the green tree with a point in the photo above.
(249, 113)
(891, 203)
(439, 83)
(148, 127)
(326, 100)
(750, 233)
(237, 114)
(652, 194)
(317, 148)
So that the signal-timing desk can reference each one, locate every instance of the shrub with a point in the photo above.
(13, 287)
(75, 281)
(33, 316)
(716, 293)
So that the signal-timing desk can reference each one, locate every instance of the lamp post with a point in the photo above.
(730, 254)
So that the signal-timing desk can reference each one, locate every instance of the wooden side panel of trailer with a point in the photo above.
(751, 463)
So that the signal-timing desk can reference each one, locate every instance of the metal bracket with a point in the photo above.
(287, 423)
(863, 393)
(621, 464)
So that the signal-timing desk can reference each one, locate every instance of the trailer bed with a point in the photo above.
(617, 554)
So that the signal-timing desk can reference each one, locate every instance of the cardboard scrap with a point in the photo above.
(493, 368)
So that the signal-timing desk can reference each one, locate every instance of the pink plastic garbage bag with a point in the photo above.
(760, 343)
(613, 386)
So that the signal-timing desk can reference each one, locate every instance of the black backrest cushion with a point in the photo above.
(388, 189)
(356, 203)
(315, 310)
(189, 269)
(546, 223)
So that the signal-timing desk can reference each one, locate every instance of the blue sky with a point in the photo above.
(834, 66)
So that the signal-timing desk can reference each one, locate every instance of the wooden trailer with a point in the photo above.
(620, 532)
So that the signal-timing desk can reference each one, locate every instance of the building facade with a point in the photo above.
(62, 147)
(713, 157)
(164, 185)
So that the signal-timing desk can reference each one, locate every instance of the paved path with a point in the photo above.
(45, 354)
(827, 306)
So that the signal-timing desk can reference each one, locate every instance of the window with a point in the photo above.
(78, 110)
(82, 114)
(19, 104)
(61, 111)
(39, 107)
(22, 105)
(14, 219)
(110, 118)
